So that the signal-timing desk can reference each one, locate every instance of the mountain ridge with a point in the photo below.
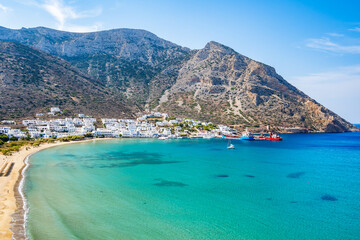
(213, 83)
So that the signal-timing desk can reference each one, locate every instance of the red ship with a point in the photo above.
(261, 137)
(273, 137)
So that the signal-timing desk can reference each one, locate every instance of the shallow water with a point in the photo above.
(306, 187)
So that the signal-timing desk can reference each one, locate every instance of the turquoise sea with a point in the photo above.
(306, 187)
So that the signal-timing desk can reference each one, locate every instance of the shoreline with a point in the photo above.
(12, 201)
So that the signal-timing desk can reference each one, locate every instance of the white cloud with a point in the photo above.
(4, 8)
(337, 89)
(342, 74)
(63, 13)
(328, 45)
(356, 29)
(335, 34)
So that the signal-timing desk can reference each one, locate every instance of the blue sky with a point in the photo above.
(315, 45)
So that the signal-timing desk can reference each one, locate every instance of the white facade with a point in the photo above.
(55, 110)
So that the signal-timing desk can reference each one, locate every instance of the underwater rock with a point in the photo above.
(222, 176)
(249, 176)
(328, 197)
(166, 183)
(295, 175)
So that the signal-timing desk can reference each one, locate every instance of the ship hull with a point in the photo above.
(273, 139)
(247, 138)
(231, 137)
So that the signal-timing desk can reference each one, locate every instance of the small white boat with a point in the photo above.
(163, 138)
(230, 146)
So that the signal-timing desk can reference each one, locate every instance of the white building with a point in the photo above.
(55, 110)
(28, 122)
(173, 121)
(105, 132)
(108, 120)
(4, 130)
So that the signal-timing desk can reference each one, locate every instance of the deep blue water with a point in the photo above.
(306, 187)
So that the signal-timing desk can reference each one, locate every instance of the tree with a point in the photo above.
(89, 134)
(27, 138)
(13, 139)
(1, 142)
(4, 137)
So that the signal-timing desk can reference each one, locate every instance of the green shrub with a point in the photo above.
(13, 139)
(71, 138)
(90, 135)
(4, 137)
(27, 138)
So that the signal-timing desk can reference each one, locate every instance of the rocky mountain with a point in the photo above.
(214, 83)
(31, 81)
(122, 59)
(220, 84)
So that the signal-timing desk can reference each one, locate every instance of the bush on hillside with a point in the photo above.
(4, 137)
(13, 139)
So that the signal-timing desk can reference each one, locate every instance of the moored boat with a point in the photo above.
(273, 137)
(230, 136)
(261, 137)
(247, 135)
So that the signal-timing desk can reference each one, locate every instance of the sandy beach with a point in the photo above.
(9, 195)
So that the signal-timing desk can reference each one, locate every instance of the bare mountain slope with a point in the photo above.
(125, 60)
(32, 81)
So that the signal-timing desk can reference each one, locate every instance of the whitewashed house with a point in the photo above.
(55, 110)
(5, 130)
(28, 122)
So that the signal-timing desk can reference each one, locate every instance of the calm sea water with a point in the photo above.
(306, 187)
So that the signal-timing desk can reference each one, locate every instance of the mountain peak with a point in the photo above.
(212, 45)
